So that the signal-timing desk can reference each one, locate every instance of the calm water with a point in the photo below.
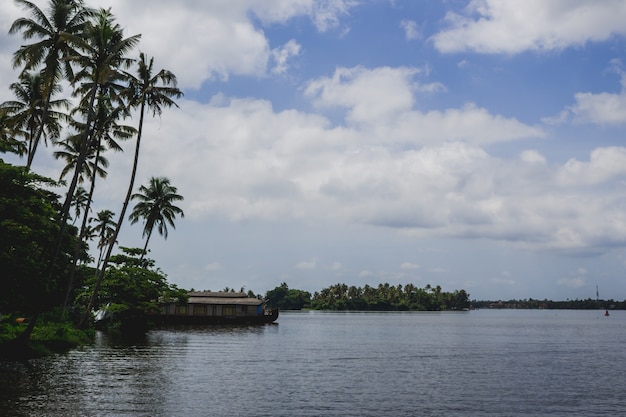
(486, 362)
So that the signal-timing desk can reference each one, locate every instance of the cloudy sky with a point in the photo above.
(469, 144)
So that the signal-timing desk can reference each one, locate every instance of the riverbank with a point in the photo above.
(47, 338)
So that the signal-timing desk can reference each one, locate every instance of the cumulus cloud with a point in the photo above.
(493, 26)
(383, 98)
(602, 108)
(604, 165)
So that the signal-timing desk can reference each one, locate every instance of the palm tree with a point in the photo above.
(104, 228)
(102, 57)
(33, 114)
(156, 207)
(145, 90)
(105, 130)
(66, 18)
(79, 202)
(8, 140)
(151, 91)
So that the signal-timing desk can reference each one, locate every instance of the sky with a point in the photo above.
(475, 145)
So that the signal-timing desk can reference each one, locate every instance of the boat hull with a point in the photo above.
(216, 320)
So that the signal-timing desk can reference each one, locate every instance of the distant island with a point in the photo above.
(383, 297)
(409, 297)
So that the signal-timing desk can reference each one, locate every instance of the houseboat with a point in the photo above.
(207, 307)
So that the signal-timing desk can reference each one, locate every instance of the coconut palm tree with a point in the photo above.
(79, 202)
(53, 32)
(156, 208)
(103, 50)
(104, 229)
(151, 91)
(8, 136)
(30, 114)
(107, 131)
(101, 57)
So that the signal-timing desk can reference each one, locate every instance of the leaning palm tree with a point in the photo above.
(156, 208)
(146, 91)
(53, 31)
(151, 91)
(101, 58)
(107, 131)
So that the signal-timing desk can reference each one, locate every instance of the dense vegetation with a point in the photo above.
(586, 304)
(49, 280)
(384, 297)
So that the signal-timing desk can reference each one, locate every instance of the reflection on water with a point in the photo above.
(361, 364)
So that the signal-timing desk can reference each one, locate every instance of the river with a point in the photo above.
(478, 363)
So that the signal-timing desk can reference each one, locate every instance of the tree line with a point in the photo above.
(384, 297)
(45, 237)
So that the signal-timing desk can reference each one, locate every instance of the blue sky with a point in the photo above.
(468, 144)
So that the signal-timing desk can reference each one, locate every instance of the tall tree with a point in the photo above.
(104, 229)
(147, 91)
(152, 92)
(79, 202)
(107, 131)
(156, 208)
(32, 114)
(53, 31)
(102, 57)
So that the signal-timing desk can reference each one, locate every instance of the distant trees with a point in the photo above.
(384, 297)
(284, 298)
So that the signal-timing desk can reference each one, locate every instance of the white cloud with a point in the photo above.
(604, 165)
(411, 29)
(283, 54)
(602, 108)
(495, 26)
(199, 40)
(382, 99)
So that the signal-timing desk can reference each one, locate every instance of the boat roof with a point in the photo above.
(222, 298)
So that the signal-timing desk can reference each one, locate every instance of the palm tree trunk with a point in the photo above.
(118, 226)
(145, 247)
(83, 229)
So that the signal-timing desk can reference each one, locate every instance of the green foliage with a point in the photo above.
(134, 289)
(283, 298)
(47, 337)
(29, 226)
(386, 297)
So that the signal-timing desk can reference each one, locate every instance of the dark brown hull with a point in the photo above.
(216, 320)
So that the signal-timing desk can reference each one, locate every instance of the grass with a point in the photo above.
(48, 337)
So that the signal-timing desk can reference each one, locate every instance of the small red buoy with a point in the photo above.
(606, 312)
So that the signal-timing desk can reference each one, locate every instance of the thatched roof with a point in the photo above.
(222, 298)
